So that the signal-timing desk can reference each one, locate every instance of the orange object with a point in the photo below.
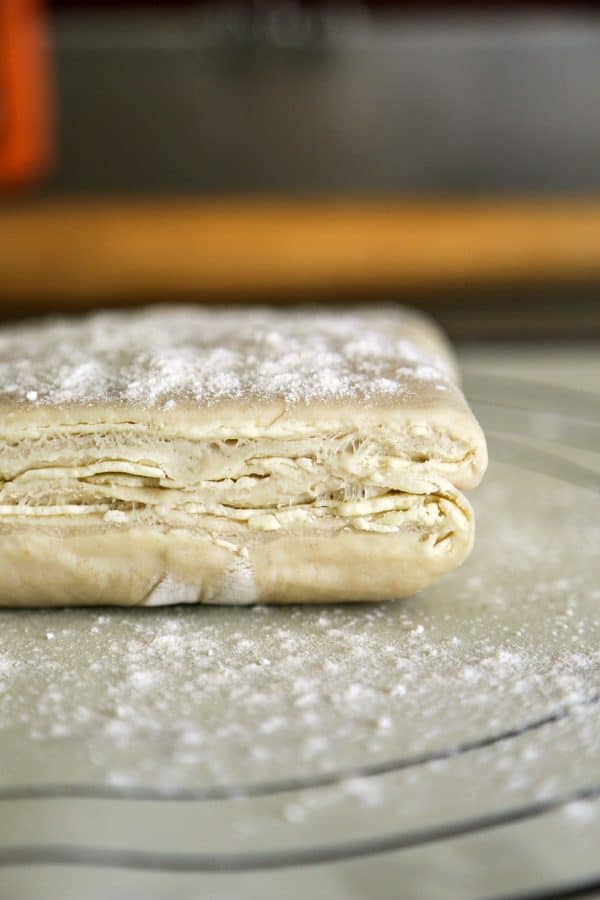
(78, 253)
(24, 119)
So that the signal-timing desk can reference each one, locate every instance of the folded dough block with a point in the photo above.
(211, 455)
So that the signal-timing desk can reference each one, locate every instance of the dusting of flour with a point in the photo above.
(217, 698)
(221, 696)
(160, 356)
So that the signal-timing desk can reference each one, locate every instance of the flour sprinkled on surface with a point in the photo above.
(161, 356)
(198, 697)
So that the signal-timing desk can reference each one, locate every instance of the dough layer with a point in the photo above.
(217, 485)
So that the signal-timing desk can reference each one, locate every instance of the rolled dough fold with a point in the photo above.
(231, 455)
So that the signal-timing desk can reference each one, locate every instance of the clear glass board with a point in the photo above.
(444, 746)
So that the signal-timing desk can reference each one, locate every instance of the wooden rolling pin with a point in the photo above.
(73, 254)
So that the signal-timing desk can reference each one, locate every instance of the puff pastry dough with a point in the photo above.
(210, 455)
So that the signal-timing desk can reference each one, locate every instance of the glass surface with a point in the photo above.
(218, 739)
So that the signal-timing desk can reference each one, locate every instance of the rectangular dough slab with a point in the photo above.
(239, 455)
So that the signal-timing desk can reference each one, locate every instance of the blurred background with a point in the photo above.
(443, 155)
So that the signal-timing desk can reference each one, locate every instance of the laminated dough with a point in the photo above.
(231, 455)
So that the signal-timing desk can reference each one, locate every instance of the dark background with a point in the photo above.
(285, 99)
(197, 103)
